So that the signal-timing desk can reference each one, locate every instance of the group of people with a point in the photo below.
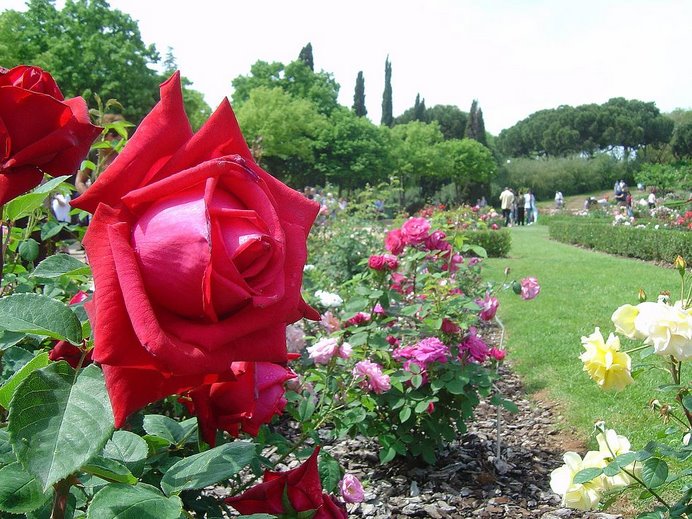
(518, 207)
(329, 204)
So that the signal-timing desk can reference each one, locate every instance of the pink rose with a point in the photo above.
(373, 377)
(394, 242)
(415, 230)
(351, 489)
(422, 353)
(452, 263)
(383, 262)
(323, 350)
(378, 310)
(330, 322)
(530, 288)
(474, 261)
(494, 227)
(488, 306)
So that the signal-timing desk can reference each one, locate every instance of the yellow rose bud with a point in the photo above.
(605, 363)
(680, 265)
(642, 295)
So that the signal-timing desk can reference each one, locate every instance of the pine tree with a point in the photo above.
(306, 56)
(359, 96)
(387, 116)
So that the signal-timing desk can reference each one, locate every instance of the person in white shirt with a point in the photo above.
(652, 200)
(506, 199)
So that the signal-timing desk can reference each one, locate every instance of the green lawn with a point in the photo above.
(580, 290)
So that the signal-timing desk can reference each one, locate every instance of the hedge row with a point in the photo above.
(496, 243)
(646, 244)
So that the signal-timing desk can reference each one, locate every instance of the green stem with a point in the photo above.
(638, 348)
(498, 423)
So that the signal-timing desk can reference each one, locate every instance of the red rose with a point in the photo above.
(197, 256)
(63, 350)
(40, 132)
(304, 490)
(244, 404)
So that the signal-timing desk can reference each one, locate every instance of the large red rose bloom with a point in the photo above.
(197, 255)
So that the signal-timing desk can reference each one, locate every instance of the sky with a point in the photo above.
(514, 56)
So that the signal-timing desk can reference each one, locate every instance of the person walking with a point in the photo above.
(506, 199)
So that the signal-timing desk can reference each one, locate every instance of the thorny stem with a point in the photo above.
(62, 490)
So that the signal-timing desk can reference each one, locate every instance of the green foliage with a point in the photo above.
(496, 243)
(469, 162)
(475, 126)
(359, 96)
(305, 56)
(619, 123)
(387, 110)
(351, 151)
(282, 131)
(682, 140)
(646, 244)
(570, 175)
(296, 79)
(451, 119)
(665, 177)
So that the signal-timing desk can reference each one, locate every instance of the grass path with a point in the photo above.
(580, 290)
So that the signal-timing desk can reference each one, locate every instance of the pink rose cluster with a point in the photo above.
(373, 378)
(415, 232)
(358, 319)
(422, 353)
(325, 349)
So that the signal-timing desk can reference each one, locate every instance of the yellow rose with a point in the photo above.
(667, 328)
(577, 495)
(605, 363)
(611, 445)
(623, 319)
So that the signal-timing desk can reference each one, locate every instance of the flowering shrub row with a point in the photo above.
(647, 244)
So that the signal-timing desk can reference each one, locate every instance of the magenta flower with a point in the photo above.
(530, 288)
(436, 241)
(394, 242)
(474, 346)
(373, 377)
(422, 353)
(351, 489)
(488, 306)
(415, 230)
(359, 318)
(383, 262)
(449, 326)
(452, 263)
(378, 310)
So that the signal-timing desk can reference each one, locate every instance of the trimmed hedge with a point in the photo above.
(496, 243)
(646, 244)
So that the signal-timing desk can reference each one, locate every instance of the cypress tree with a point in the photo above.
(475, 126)
(359, 96)
(387, 116)
(306, 56)
(419, 111)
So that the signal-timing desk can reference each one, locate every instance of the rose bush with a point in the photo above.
(40, 131)
(197, 256)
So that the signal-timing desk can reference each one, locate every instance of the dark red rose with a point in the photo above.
(243, 404)
(197, 255)
(40, 132)
(31, 78)
(302, 486)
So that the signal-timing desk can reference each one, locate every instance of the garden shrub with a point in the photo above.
(634, 242)
(496, 243)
